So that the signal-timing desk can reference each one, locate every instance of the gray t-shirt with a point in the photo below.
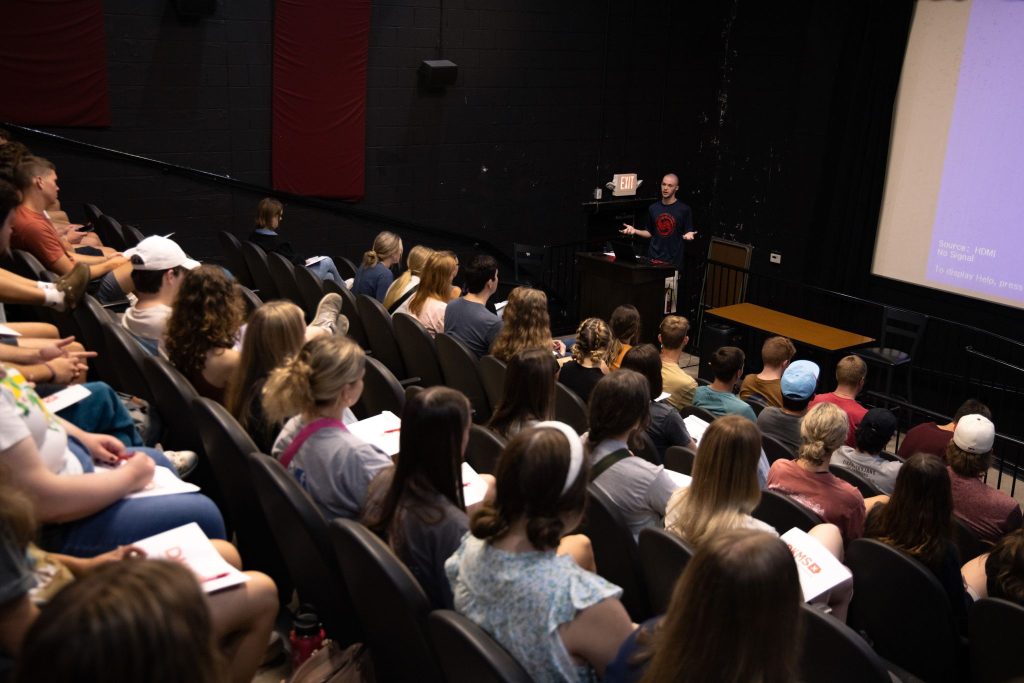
(876, 469)
(667, 428)
(472, 324)
(334, 467)
(638, 489)
(782, 426)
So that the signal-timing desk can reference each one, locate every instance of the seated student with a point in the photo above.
(430, 302)
(625, 328)
(467, 318)
(126, 620)
(734, 616)
(269, 213)
(918, 520)
(666, 427)
(725, 491)
(851, 371)
(718, 397)
(86, 513)
(64, 294)
(990, 513)
(776, 354)
(796, 389)
(672, 334)
(317, 387)
(203, 329)
(275, 333)
(158, 267)
(619, 407)
(33, 231)
(559, 621)
(873, 434)
(589, 355)
(526, 325)
(374, 277)
(929, 437)
(405, 284)
(807, 479)
(418, 506)
(1004, 569)
(529, 393)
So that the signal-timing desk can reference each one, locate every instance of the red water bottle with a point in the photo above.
(306, 637)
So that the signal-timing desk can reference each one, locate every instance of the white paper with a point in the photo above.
(165, 482)
(664, 395)
(382, 431)
(313, 260)
(474, 488)
(190, 546)
(59, 400)
(695, 426)
(818, 569)
(10, 332)
(678, 478)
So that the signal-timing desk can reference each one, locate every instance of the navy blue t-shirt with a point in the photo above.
(667, 224)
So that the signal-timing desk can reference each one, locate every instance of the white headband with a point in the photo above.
(575, 450)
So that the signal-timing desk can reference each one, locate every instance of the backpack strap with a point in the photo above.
(607, 461)
(305, 433)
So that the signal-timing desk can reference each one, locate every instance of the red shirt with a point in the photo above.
(854, 411)
(33, 232)
(990, 513)
(829, 496)
(925, 438)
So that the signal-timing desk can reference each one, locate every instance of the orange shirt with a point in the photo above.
(33, 232)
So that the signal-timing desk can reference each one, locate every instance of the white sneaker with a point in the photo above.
(184, 461)
(328, 314)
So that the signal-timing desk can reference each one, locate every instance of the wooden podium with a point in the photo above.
(606, 284)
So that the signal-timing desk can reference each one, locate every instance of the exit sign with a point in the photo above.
(625, 185)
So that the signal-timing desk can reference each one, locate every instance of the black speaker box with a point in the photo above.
(437, 73)
(713, 337)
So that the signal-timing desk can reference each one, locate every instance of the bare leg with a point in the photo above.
(124, 277)
(315, 331)
(579, 548)
(839, 597)
(976, 577)
(243, 617)
(15, 289)
(34, 335)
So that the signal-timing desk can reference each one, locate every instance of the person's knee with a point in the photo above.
(263, 593)
(831, 537)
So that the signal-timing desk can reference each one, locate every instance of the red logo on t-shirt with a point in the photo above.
(666, 224)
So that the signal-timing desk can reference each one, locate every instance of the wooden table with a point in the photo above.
(797, 329)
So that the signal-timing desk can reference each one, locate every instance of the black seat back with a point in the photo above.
(131, 358)
(110, 232)
(300, 531)
(89, 317)
(356, 329)
(834, 652)
(663, 556)
(388, 602)
(381, 391)
(132, 235)
(92, 213)
(380, 332)
(282, 272)
(901, 607)
(173, 395)
(967, 542)
(346, 268)
(616, 552)
(775, 449)
(492, 375)
(251, 299)
(863, 484)
(232, 249)
(256, 261)
(483, 449)
(703, 414)
(467, 654)
(418, 350)
(995, 627)
(570, 408)
(459, 366)
(311, 290)
(228, 447)
(679, 459)
(784, 513)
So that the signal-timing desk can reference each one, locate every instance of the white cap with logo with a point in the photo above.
(159, 253)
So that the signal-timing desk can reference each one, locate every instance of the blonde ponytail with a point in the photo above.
(822, 431)
(314, 378)
(287, 391)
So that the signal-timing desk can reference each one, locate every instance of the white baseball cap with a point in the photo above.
(159, 253)
(974, 434)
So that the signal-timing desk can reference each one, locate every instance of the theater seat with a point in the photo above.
(784, 513)
(467, 654)
(663, 556)
(616, 552)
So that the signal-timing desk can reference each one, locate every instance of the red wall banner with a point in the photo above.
(53, 63)
(319, 96)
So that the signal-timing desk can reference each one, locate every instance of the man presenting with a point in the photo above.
(669, 222)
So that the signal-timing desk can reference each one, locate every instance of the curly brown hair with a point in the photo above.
(527, 324)
(206, 315)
